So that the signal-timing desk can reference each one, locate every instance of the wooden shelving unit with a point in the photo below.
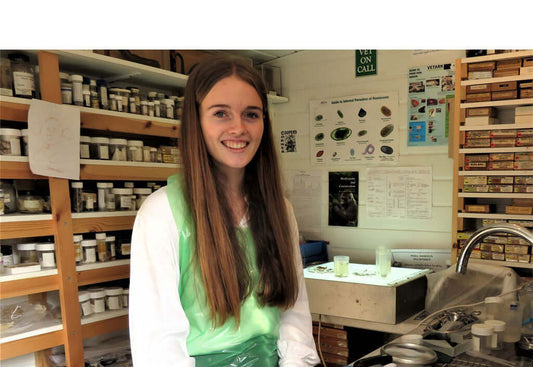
(462, 221)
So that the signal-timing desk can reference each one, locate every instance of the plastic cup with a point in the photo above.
(341, 265)
(383, 261)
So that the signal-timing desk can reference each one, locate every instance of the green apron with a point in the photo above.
(254, 342)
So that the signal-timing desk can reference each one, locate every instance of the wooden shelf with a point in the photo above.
(24, 228)
(495, 173)
(102, 221)
(496, 57)
(14, 168)
(496, 127)
(103, 272)
(14, 109)
(495, 216)
(495, 150)
(28, 283)
(31, 341)
(495, 195)
(504, 79)
(91, 169)
(504, 103)
(105, 322)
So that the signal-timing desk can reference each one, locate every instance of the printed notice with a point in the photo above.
(403, 192)
(305, 189)
(54, 140)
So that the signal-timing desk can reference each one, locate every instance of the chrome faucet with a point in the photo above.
(483, 232)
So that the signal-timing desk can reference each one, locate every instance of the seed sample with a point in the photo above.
(339, 112)
(361, 113)
(362, 133)
(318, 117)
(319, 136)
(341, 133)
(386, 149)
(387, 130)
(386, 111)
(319, 153)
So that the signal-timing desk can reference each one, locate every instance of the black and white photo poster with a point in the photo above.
(343, 199)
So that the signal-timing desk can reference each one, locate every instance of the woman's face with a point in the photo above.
(231, 116)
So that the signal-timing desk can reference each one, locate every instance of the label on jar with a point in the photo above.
(89, 203)
(84, 151)
(48, 260)
(23, 83)
(113, 303)
(98, 305)
(125, 202)
(90, 255)
(15, 146)
(113, 250)
(103, 151)
(77, 93)
(86, 308)
(66, 96)
(32, 204)
(6, 92)
(125, 248)
(78, 253)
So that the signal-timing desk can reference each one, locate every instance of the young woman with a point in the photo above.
(216, 273)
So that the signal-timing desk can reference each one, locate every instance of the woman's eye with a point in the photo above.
(220, 114)
(252, 115)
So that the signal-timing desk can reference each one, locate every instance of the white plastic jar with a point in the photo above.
(99, 148)
(85, 303)
(113, 298)
(493, 308)
(140, 195)
(97, 299)
(118, 149)
(482, 338)
(101, 247)
(26, 253)
(47, 255)
(106, 198)
(89, 251)
(135, 150)
(85, 142)
(123, 198)
(77, 89)
(497, 338)
(10, 142)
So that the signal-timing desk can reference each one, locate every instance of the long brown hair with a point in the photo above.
(218, 252)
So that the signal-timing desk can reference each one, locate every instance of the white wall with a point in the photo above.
(320, 74)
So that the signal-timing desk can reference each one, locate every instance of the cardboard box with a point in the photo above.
(501, 188)
(506, 72)
(523, 156)
(521, 210)
(475, 180)
(526, 70)
(526, 93)
(524, 142)
(503, 134)
(481, 74)
(482, 66)
(509, 64)
(523, 165)
(481, 121)
(523, 180)
(475, 188)
(478, 134)
(498, 256)
(479, 88)
(477, 208)
(525, 84)
(477, 166)
(496, 87)
(483, 111)
(525, 133)
(477, 143)
(478, 97)
(477, 158)
(502, 142)
(527, 61)
(523, 188)
(523, 119)
(501, 165)
(500, 180)
(501, 157)
(513, 240)
(499, 96)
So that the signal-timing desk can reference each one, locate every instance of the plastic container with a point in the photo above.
(383, 261)
(110, 244)
(153, 154)
(10, 142)
(113, 298)
(23, 77)
(157, 108)
(77, 89)
(125, 298)
(123, 198)
(97, 299)
(513, 323)
(10, 201)
(84, 298)
(118, 149)
(140, 195)
(482, 338)
(341, 266)
(106, 198)
(26, 253)
(30, 203)
(101, 247)
(135, 150)
(85, 143)
(146, 153)
(86, 98)
(47, 255)
(493, 308)
(497, 337)
(99, 148)
(167, 105)
(24, 140)
(66, 93)
(89, 251)
(123, 249)
(78, 251)
(150, 108)
(6, 77)
(76, 196)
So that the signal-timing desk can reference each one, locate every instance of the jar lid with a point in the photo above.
(152, 149)
(410, 354)
(110, 238)
(66, 85)
(152, 94)
(150, 103)
(114, 89)
(498, 325)
(85, 139)
(93, 83)
(482, 329)
(76, 185)
(129, 185)
(113, 291)
(86, 92)
(100, 140)
(135, 143)
(45, 247)
(24, 132)
(118, 141)
(6, 131)
(142, 191)
(88, 243)
(97, 293)
(100, 236)
(77, 78)
(26, 246)
(126, 291)
(123, 191)
(63, 75)
(144, 103)
(83, 296)
(493, 300)
(77, 237)
(132, 99)
(157, 102)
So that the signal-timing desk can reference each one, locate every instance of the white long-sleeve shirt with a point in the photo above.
(158, 324)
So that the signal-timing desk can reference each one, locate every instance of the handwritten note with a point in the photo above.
(54, 140)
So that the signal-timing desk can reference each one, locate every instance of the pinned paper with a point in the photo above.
(54, 140)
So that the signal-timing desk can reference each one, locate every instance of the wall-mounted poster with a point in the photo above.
(288, 142)
(429, 88)
(354, 129)
(343, 198)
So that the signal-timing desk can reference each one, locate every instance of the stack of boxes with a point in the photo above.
(333, 343)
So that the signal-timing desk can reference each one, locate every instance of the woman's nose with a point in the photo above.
(237, 126)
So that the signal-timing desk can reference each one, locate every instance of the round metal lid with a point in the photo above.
(409, 353)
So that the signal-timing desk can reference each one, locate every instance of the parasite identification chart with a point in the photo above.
(354, 129)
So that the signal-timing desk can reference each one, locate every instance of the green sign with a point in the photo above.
(366, 62)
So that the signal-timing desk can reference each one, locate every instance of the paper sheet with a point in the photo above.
(54, 140)
(305, 191)
(403, 192)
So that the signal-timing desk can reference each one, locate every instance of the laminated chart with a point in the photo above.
(354, 129)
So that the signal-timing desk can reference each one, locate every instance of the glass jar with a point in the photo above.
(498, 327)
(30, 203)
(129, 185)
(140, 195)
(10, 202)
(493, 308)
(84, 298)
(135, 150)
(97, 299)
(10, 142)
(2, 204)
(125, 95)
(86, 98)
(26, 253)
(168, 107)
(118, 149)
(24, 138)
(152, 96)
(23, 77)
(106, 198)
(66, 93)
(85, 142)
(47, 255)
(123, 198)
(144, 108)
(132, 105)
(150, 108)
(179, 107)
(78, 251)
(101, 86)
(77, 89)
(76, 196)
(146, 153)
(153, 154)
(6, 77)
(123, 247)
(113, 106)
(101, 247)
(99, 148)
(125, 298)
(89, 200)
(157, 108)
(89, 251)
(110, 244)
(113, 298)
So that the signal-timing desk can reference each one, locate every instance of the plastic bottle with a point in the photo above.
(513, 322)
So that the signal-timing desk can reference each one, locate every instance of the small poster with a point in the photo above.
(429, 88)
(366, 62)
(343, 199)
(289, 141)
